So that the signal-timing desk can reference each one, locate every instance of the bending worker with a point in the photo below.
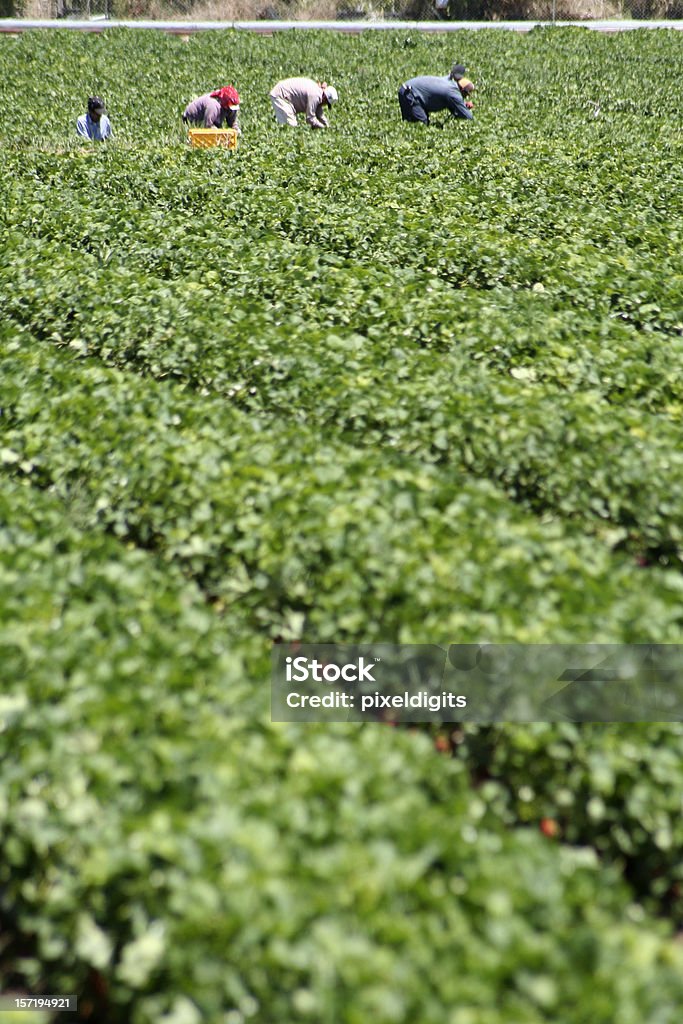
(215, 109)
(94, 124)
(295, 96)
(426, 95)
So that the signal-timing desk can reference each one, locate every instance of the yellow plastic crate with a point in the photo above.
(205, 138)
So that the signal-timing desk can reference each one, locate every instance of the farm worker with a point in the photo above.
(94, 124)
(215, 109)
(295, 96)
(426, 95)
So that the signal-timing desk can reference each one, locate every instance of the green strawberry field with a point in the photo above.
(376, 383)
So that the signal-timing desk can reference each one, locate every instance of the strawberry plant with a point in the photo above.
(374, 383)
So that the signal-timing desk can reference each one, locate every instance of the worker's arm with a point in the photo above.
(458, 107)
(231, 119)
(314, 113)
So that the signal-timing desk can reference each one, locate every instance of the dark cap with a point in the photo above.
(95, 104)
(457, 71)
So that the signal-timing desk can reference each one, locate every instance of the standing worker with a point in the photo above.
(94, 125)
(295, 96)
(215, 109)
(426, 95)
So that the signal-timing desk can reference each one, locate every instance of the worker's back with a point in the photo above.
(435, 92)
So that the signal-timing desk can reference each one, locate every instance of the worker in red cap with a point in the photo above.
(219, 109)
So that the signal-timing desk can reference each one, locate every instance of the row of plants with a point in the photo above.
(269, 525)
(311, 533)
(171, 855)
(369, 384)
(533, 414)
(614, 788)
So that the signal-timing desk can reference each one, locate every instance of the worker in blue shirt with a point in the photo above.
(420, 97)
(94, 124)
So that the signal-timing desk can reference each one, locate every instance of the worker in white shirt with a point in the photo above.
(295, 96)
(94, 124)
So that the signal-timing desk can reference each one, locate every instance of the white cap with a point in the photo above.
(331, 94)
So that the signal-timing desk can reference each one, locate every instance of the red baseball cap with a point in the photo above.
(228, 97)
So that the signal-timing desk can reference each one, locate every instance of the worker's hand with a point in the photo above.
(469, 104)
